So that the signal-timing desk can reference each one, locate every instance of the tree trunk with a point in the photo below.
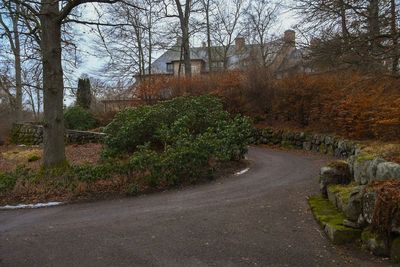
(186, 51)
(53, 85)
(209, 36)
(395, 37)
(150, 50)
(18, 68)
(184, 23)
(373, 25)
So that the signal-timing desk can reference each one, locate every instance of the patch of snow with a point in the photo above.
(30, 206)
(242, 172)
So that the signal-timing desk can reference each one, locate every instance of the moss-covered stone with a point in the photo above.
(341, 234)
(331, 219)
(341, 194)
(322, 148)
(364, 157)
(374, 242)
(287, 144)
(395, 250)
(337, 172)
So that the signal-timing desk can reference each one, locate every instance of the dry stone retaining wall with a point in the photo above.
(344, 186)
(327, 144)
(364, 168)
(32, 134)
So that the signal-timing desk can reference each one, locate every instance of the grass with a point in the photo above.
(388, 151)
(22, 156)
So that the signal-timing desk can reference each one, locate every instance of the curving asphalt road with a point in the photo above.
(258, 218)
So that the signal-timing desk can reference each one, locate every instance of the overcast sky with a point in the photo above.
(91, 63)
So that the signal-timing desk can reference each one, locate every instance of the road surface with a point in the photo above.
(260, 218)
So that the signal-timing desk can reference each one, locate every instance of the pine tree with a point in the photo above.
(84, 95)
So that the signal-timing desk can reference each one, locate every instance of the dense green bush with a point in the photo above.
(174, 142)
(78, 118)
(167, 123)
(9, 179)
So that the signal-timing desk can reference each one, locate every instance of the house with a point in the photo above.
(281, 56)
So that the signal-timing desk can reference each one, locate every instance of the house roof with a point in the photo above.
(235, 57)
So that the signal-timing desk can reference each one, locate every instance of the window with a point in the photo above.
(217, 64)
(170, 68)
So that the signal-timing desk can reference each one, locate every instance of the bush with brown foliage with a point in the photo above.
(348, 104)
(361, 107)
(386, 212)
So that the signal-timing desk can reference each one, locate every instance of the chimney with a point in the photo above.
(315, 42)
(240, 43)
(290, 38)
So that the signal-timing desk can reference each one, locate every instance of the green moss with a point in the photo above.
(338, 164)
(365, 157)
(33, 158)
(332, 219)
(286, 144)
(367, 234)
(342, 192)
(322, 148)
(324, 211)
(374, 242)
(395, 251)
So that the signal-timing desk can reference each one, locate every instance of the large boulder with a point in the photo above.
(337, 172)
(387, 170)
(365, 168)
(353, 210)
(375, 243)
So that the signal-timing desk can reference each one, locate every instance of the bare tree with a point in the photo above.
(182, 12)
(12, 34)
(261, 16)
(361, 35)
(130, 44)
(207, 7)
(226, 25)
(52, 15)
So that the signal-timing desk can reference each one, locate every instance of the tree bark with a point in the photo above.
(210, 56)
(395, 37)
(18, 67)
(184, 23)
(373, 25)
(53, 85)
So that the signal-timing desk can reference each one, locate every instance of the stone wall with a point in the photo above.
(327, 144)
(32, 134)
(348, 203)
(347, 185)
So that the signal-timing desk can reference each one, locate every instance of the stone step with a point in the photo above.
(332, 221)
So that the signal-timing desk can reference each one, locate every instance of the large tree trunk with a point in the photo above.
(186, 51)
(374, 25)
(184, 23)
(53, 86)
(395, 37)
